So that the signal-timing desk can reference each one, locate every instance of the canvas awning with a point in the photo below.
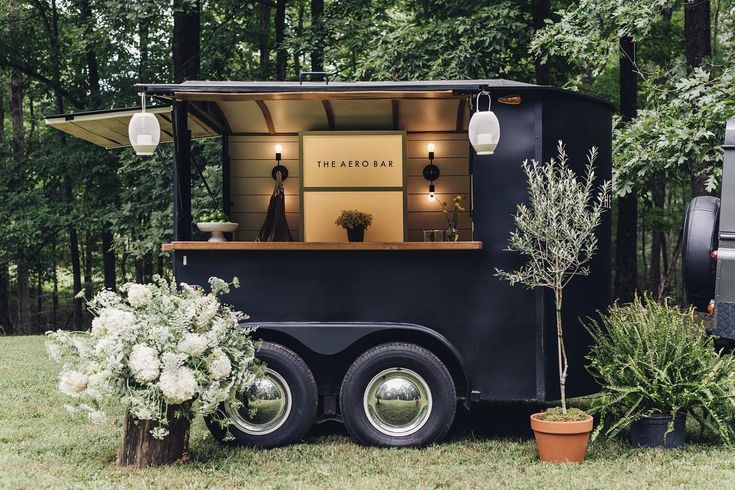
(109, 128)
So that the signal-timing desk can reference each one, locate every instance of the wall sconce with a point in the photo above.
(279, 168)
(484, 128)
(431, 172)
(144, 131)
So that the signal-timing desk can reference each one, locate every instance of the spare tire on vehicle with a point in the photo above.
(701, 227)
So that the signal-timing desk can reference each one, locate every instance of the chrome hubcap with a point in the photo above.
(265, 405)
(397, 402)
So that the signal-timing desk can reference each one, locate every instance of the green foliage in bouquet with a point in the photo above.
(654, 358)
(155, 347)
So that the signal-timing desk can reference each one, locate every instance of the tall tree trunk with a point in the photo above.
(139, 271)
(93, 77)
(55, 279)
(18, 150)
(108, 179)
(124, 268)
(658, 193)
(698, 46)
(24, 298)
(281, 54)
(76, 267)
(186, 40)
(541, 12)
(39, 301)
(148, 269)
(264, 40)
(626, 260)
(5, 323)
(108, 261)
(160, 271)
(317, 54)
(697, 32)
(299, 32)
(89, 247)
(143, 34)
(53, 33)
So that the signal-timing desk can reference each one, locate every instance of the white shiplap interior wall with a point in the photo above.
(252, 158)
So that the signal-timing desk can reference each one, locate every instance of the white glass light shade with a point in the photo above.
(144, 133)
(484, 132)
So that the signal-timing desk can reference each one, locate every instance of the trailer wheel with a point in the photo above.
(285, 403)
(398, 395)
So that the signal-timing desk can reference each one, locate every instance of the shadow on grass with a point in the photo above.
(490, 420)
(506, 420)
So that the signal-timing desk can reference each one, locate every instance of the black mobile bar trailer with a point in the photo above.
(385, 336)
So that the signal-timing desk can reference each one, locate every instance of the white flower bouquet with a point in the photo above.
(160, 351)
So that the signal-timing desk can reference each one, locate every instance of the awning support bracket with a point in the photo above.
(159, 154)
(204, 181)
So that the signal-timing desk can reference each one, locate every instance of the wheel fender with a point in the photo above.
(331, 339)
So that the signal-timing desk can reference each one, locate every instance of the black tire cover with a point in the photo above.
(701, 226)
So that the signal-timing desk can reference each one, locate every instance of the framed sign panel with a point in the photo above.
(343, 170)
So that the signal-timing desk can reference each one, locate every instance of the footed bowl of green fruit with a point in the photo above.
(217, 223)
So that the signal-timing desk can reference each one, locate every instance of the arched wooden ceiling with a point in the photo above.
(291, 116)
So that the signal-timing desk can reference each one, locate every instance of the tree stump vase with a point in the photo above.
(140, 449)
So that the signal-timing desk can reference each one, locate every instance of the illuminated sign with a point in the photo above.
(343, 170)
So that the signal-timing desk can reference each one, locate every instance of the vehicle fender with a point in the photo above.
(335, 339)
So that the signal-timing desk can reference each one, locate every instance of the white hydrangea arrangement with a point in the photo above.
(156, 347)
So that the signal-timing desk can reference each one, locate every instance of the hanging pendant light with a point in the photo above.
(144, 131)
(484, 128)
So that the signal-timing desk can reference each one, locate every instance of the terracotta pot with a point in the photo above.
(561, 442)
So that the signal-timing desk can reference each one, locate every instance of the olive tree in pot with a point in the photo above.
(164, 354)
(355, 222)
(555, 232)
(656, 364)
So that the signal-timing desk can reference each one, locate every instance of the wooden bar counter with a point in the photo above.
(331, 246)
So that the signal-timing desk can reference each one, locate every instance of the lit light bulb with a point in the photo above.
(431, 147)
(279, 148)
(431, 192)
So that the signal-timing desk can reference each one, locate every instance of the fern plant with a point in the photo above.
(653, 358)
(555, 232)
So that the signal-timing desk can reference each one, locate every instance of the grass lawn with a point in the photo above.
(42, 446)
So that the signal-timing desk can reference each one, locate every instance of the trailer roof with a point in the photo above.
(334, 87)
(287, 108)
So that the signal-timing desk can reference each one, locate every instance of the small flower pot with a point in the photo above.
(356, 235)
(651, 431)
(561, 442)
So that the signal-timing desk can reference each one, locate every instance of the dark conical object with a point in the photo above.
(275, 226)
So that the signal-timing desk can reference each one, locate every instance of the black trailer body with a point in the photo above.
(329, 306)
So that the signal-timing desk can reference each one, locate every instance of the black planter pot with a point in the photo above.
(651, 431)
(356, 235)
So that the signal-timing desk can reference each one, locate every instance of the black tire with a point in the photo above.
(410, 358)
(701, 226)
(303, 395)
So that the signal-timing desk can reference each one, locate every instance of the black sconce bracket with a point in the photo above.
(282, 169)
(431, 172)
